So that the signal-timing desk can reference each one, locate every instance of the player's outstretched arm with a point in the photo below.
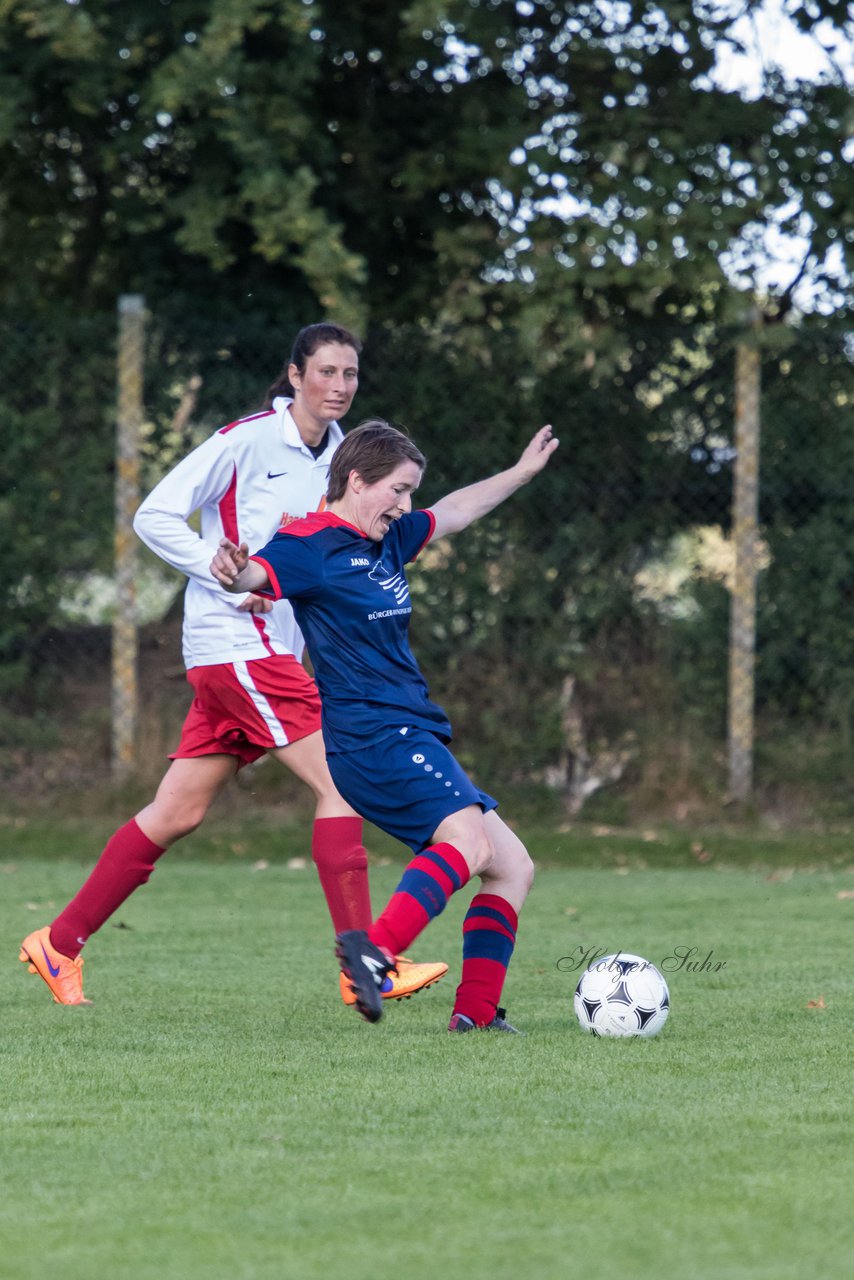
(460, 508)
(233, 569)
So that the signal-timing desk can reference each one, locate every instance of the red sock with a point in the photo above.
(489, 935)
(427, 884)
(126, 863)
(342, 864)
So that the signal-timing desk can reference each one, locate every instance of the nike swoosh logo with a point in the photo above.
(274, 475)
(54, 973)
(376, 967)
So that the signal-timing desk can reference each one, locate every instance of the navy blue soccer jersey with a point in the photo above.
(351, 600)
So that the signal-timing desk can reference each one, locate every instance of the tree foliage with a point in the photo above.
(384, 159)
(532, 209)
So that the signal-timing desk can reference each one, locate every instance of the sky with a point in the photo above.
(771, 39)
(767, 258)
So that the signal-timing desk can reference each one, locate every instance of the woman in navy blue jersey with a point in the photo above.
(343, 569)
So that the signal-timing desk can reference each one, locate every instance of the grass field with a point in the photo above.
(219, 1114)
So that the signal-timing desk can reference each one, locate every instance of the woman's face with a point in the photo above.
(324, 390)
(376, 506)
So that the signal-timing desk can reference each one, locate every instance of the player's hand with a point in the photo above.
(538, 452)
(229, 561)
(255, 604)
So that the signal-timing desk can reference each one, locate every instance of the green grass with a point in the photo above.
(219, 1114)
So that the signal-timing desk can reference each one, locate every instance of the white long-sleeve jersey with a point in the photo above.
(246, 480)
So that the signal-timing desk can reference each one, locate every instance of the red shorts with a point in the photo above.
(246, 708)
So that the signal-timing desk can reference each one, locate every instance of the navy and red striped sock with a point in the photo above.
(427, 884)
(489, 936)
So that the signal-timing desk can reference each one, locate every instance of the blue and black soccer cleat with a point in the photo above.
(461, 1022)
(364, 967)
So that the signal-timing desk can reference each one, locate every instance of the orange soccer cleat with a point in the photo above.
(408, 978)
(63, 976)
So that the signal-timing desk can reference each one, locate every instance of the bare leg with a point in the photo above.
(186, 793)
(306, 758)
(491, 850)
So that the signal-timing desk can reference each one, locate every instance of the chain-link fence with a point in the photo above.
(649, 618)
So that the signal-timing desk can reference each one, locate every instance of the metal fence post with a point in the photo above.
(130, 364)
(742, 632)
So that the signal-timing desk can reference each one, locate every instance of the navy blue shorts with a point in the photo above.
(406, 784)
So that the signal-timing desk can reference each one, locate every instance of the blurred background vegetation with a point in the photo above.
(531, 211)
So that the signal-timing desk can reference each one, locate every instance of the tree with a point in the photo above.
(399, 161)
(524, 204)
(140, 140)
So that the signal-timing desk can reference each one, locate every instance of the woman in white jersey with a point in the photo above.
(243, 658)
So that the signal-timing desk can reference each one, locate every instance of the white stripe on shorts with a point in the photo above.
(265, 711)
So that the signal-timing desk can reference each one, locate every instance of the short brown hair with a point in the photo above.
(374, 449)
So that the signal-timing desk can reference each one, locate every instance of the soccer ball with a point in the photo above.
(622, 995)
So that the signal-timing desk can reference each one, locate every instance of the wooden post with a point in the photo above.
(742, 633)
(130, 364)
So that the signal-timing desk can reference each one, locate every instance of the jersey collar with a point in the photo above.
(331, 520)
(292, 437)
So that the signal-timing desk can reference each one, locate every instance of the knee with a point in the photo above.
(526, 870)
(336, 844)
(513, 865)
(481, 856)
(173, 822)
(188, 820)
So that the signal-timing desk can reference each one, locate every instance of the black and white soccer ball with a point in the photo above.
(622, 995)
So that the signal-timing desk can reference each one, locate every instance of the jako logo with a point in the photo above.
(359, 561)
(395, 583)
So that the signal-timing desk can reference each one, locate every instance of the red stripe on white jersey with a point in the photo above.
(253, 417)
(228, 511)
(261, 628)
